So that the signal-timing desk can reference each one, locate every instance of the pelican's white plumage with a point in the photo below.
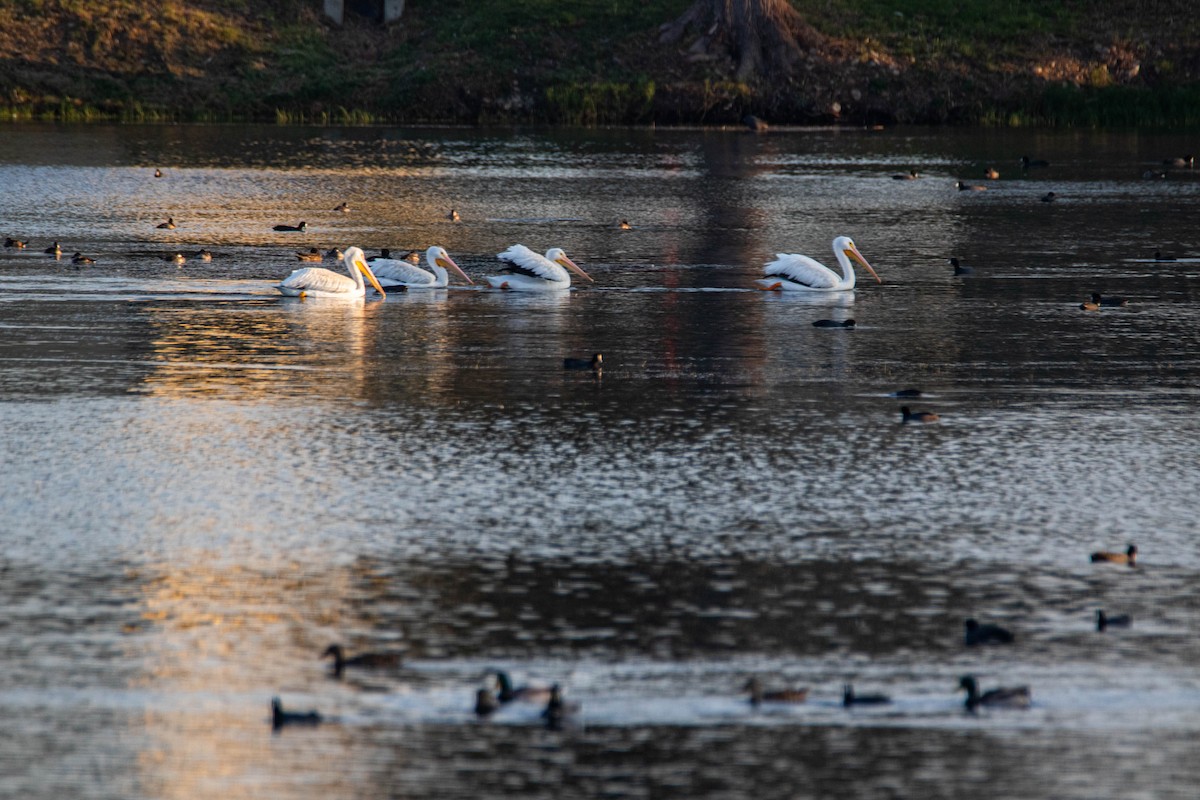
(320, 282)
(794, 272)
(529, 272)
(397, 272)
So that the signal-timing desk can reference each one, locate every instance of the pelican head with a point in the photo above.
(558, 256)
(844, 245)
(354, 258)
(438, 256)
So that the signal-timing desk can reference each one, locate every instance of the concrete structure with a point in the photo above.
(385, 11)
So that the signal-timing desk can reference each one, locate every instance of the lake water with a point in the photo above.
(205, 484)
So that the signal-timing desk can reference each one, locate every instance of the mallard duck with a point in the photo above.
(917, 416)
(312, 255)
(1128, 557)
(1027, 162)
(960, 269)
(985, 634)
(969, 187)
(991, 174)
(833, 323)
(1104, 621)
(280, 718)
(911, 175)
(506, 693)
(849, 698)
(169, 225)
(759, 696)
(596, 362)
(1108, 301)
(362, 660)
(1015, 697)
(80, 258)
(303, 226)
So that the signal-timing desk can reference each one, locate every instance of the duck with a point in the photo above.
(1104, 621)
(485, 702)
(175, 258)
(759, 696)
(1049, 197)
(280, 718)
(557, 709)
(17, 243)
(385, 254)
(833, 323)
(362, 660)
(169, 225)
(911, 175)
(53, 250)
(595, 363)
(991, 174)
(335, 254)
(986, 634)
(1014, 697)
(969, 187)
(413, 257)
(204, 255)
(453, 216)
(80, 258)
(1180, 161)
(623, 225)
(506, 693)
(1151, 174)
(1089, 305)
(1027, 162)
(1158, 256)
(343, 207)
(755, 124)
(917, 416)
(1108, 301)
(158, 173)
(961, 269)
(301, 227)
(313, 254)
(1128, 557)
(849, 698)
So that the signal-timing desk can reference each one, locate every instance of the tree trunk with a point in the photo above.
(765, 37)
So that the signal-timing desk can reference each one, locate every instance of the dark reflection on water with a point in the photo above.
(206, 484)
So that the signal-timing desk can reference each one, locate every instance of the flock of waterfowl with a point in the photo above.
(499, 690)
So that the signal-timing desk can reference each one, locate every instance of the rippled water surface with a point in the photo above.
(205, 484)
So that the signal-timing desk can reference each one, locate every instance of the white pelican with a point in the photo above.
(526, 271)
(794, 272)
(398, 272)
(320, 282)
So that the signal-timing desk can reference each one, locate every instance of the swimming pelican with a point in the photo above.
(394, 272)
(320, 282)
(529, 272)
(793, 272)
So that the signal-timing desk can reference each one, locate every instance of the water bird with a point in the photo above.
(907, 393)
(393, 272)
(758, 695)
(343, 207)
(917, 416)
(833, 323)
(791, 272)
(54, 250)
(1049, 197)
(526, 271)
(453, 215)
(1151, 174)
(384, 254)
(1104, 621)
(301, 227)
(961, 269)
(412, 257)
(204, 255)
(360, 661)
(1108, 301)
(1158, 256)
(849, 698)
(595, 363)
(336, 254)
(1089, 305)
(557, 709)
(911, 175)
(169, 225)
(175, 258)
(1014, 697)
(991, 174)
(623, 225)
(507, 693)
(1180, 161)
(320, 282)
(80, 258)
(485, 702)
(17, 243)
(985, 634)
(1128, 557)
(313, 254)
(969, 187)
(755, 124)
(1027, 162)
(158, 173)
(280, 718)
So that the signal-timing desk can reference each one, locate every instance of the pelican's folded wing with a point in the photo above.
(520, 258)
(801, 269)
(316, 279)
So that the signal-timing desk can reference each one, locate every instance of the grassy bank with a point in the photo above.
(594, 62)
